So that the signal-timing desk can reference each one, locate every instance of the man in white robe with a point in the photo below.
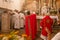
(22, 20)
(16, 20)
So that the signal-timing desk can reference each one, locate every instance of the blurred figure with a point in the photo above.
(22, 20)
(12, 20)
(44, 9)
(16, 19)
(30, 25)
(56, 37)
(46, 25)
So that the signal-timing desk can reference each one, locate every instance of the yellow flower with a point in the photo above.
(12, 32)
(9, 36)
(24, 35)
(16, 32)
(1, 35)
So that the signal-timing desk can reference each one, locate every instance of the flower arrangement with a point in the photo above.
(1, 36)
(26, 37)
(13, 36)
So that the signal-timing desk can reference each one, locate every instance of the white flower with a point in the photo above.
(5, 38)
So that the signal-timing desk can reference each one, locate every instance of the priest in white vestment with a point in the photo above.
(16, 20)
(22, 19)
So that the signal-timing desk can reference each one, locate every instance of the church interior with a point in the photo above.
(22, 19)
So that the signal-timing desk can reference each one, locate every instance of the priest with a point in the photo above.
(30, 25)
(46, 25)
(22, 19)
(16, 20)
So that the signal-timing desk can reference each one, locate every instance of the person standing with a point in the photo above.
(30, 25)
(46, 25)
(33, 22)
(16, 20)
(22, 20)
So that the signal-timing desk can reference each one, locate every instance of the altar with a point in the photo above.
(53, 17)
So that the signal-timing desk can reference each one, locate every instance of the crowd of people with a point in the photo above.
(27, 20)
(23, 20)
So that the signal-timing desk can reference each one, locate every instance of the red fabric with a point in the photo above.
(26, 25)
(46, 22)
(33, 25)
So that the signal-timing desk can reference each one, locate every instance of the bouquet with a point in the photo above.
(14, 36)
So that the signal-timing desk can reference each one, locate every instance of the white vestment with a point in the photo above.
(56, 37)
(22, 19)
(16, 21)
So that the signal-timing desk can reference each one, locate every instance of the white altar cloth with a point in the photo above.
(53, 17)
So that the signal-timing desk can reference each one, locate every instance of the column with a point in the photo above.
(5, 24)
